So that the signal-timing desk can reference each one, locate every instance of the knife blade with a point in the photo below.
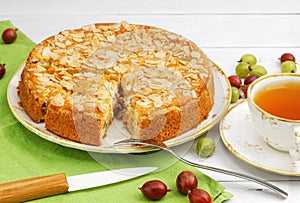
(44, 186)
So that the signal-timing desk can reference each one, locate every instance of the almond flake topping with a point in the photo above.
(88, 64)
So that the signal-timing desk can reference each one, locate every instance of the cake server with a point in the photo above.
(44, 186)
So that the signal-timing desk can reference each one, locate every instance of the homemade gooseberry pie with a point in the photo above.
(159, 83)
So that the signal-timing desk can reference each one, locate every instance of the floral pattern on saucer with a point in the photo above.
(241, 139)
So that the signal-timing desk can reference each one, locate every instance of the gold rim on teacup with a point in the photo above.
(262, 78)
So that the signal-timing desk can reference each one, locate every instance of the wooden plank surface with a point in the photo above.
(152, 7)
(206, 30)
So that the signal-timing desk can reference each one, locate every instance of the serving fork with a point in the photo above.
(161, 145)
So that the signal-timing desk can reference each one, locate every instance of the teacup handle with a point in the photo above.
(295, 151)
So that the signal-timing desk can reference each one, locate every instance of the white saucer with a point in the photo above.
(241, 139)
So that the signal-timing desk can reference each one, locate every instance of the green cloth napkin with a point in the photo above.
(23, 154)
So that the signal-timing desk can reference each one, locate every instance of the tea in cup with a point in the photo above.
(274, 103)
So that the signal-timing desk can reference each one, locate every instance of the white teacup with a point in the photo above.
(281, 133)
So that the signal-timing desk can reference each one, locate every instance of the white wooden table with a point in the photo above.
(223, 29)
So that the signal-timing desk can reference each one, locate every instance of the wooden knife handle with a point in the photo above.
(33, 188)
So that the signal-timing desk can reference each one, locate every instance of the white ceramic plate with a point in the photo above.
(116, 131)
(240, 137)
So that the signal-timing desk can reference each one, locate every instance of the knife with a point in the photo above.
(44, 186)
